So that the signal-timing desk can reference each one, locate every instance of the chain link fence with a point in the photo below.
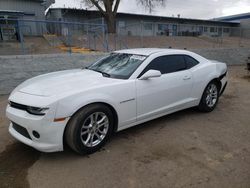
(44, 37)
(39, 36)
(164, 35)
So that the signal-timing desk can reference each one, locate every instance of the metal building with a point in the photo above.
(13, 10)
(147, 25)
(235, 18)
(242, 19)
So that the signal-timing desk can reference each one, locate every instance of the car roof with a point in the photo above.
(149, 51)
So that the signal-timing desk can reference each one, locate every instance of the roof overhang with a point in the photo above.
(150, 17)
(234, 18)
(15, 13)
(11, 13)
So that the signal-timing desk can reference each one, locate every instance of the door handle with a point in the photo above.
(187, 78)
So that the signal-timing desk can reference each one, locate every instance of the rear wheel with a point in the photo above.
(89, 129)
(210, 97)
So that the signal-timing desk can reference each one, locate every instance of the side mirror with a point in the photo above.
(150, 74)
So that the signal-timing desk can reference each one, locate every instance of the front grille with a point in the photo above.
(21, 130)
(18, 106)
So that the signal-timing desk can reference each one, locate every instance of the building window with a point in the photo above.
(216, 30)
(212, 30)
(148, 26)
(121, 23)
(225, 30)
(162, 27)
(205, 29)
(201, 29)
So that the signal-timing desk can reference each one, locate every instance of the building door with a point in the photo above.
(174, 30)
(200, 30)
(8, 31)
(220, 31)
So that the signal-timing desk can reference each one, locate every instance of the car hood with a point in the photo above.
(64, 81)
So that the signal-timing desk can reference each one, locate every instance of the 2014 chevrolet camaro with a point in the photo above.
(83, 107)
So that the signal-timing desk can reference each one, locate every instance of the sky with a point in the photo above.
(199, 9)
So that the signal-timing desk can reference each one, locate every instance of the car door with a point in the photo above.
(156, 96)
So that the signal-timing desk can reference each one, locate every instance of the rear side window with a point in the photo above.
(191, 62)
(174, 63)
(166, 64)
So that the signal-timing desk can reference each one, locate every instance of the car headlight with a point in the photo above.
(36, 111)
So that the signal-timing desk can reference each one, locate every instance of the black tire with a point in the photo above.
(77, 124)
(204, 106)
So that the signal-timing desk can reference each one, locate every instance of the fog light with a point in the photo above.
(36, 134)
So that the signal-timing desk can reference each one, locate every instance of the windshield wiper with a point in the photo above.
(103, 73)
(85, 67)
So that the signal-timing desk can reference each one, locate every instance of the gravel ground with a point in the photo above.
(185, 149)
(39, 45)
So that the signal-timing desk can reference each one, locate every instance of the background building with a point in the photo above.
(235, 18)
(21, 9)
(243, 19)
(148, 25)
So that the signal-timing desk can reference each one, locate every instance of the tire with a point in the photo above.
(89, 129)
(210, 97)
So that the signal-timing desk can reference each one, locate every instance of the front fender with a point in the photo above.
(68, 106)
(121, 97)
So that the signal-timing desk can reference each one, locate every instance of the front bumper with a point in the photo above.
(51, 133)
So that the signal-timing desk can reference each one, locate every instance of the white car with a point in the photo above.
(83, 107)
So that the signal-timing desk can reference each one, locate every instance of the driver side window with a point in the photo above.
(166, 64)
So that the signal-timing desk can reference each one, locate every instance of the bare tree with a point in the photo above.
(108, 9)
(150, 5)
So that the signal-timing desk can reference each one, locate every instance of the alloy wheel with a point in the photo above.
(212, 95)
(94, 129)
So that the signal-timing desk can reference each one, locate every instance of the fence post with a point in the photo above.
(142, 34)
(106, 37)
(103, 33)
(20, 36)
(222, 35)
(240, 36)
(107, 41)
(95, 41)
(120, 42)
(88, 36)
(69, 39)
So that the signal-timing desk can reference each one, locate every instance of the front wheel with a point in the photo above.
(89, 129)
(209, 98)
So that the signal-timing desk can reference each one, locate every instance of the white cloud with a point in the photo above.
(237, 8)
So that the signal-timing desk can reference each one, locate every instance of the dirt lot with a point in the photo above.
(39, 45)
(185, 149)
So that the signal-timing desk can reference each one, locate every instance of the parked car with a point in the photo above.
(83, 107)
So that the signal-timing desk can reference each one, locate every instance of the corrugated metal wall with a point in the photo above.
(27, 6)
(33, 10)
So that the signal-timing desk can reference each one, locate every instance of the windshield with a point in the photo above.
(118, 65)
